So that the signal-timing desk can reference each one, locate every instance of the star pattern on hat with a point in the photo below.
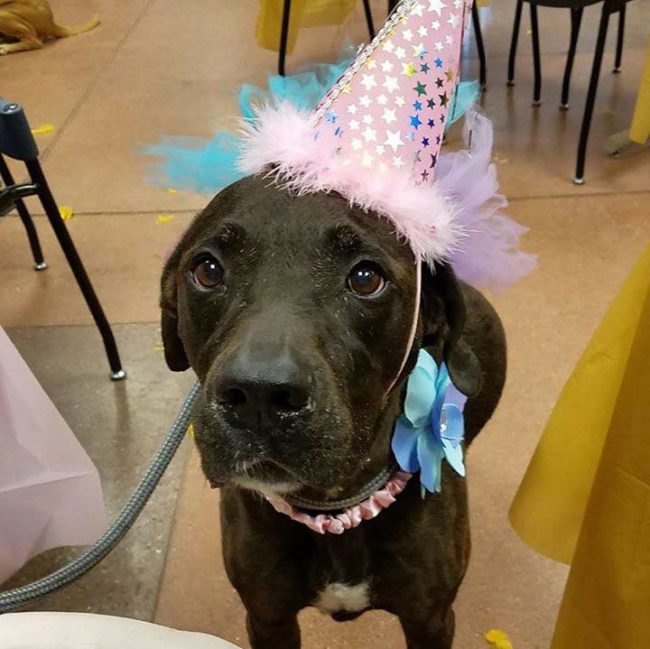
(437, 6)
(395, 112)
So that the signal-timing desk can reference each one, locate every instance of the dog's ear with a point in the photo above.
(443, 309)
(175, 355)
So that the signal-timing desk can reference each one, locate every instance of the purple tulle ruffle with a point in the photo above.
(489, 255)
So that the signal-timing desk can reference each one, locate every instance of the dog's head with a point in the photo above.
(295, 313)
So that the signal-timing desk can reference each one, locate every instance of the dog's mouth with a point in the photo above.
(263, 476)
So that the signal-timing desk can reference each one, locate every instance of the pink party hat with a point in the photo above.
(375, 137)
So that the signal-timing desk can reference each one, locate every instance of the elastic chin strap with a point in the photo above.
(414, 325)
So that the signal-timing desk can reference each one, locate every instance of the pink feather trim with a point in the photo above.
(281, 142)
(459, 218)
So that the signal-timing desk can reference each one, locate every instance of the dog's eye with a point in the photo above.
(207, 272)
(366, 279)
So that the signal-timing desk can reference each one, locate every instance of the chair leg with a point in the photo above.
(284, 37)
(513, 42)
(479, 46)
(76, 265)
(537, 62)
(579, 178)
(26, 218)
(619, 40)
(369, 21)
(576, 20)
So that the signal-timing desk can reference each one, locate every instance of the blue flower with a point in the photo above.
(432, 426)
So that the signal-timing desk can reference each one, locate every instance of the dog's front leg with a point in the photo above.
(276, 634)
(435, 631)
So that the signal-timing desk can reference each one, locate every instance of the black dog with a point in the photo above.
(295, 312)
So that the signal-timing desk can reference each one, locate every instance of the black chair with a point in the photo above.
(284, 31)
(576, 7)
(476, 25)
(17, 142)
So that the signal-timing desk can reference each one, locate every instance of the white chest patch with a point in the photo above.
(343, 597)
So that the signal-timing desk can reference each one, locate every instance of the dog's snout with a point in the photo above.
(253, 391)
(239, 395)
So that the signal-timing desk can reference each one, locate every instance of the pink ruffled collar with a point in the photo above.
(350, 517)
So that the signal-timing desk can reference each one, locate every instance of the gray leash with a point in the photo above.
(17, 598)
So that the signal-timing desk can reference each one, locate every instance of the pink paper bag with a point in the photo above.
(50, 492)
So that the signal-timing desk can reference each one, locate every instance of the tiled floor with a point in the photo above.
(159, 67)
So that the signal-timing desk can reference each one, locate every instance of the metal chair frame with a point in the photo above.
(576, 7)
(284, 31)
(17, 142)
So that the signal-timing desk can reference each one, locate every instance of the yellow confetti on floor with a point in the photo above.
(66, 213)
(164, 218)
(190, 430)
(43, 130)
(159, 348)
(172, 191)
(498, 639)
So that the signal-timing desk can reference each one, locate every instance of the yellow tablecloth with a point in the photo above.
(585, 499)
(640, 129)
(304, 13)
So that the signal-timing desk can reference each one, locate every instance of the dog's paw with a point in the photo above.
(3, 49)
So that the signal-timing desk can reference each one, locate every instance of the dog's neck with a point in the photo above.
(375, 472)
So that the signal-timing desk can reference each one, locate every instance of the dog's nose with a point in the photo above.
(256, 391)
